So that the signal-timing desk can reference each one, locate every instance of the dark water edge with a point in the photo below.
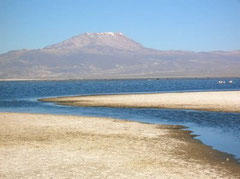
(218, 129)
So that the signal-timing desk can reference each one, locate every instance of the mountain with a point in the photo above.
(91, 40)
(113, 55)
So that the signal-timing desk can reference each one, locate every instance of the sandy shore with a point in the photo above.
(227, 101)
(52, 146)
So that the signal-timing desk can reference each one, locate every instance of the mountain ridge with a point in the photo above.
(113, 55)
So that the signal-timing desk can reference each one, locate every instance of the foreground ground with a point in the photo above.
(52, 146)
(228, 101)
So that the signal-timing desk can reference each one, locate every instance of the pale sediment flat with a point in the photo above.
(54, 146)
(226, 101)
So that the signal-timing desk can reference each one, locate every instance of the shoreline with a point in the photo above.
(123, 78)
(162, 150)
(219, 101)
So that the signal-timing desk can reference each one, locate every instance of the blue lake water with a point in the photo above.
(218, 129)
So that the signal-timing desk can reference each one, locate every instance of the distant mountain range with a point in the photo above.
(113, 55)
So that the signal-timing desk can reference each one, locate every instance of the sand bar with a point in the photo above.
(53, 146)
(226, 101)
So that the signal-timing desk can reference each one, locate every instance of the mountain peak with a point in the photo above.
(103, 39)
(105, 33)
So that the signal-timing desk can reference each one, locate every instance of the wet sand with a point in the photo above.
(225, 101)
(54, 146)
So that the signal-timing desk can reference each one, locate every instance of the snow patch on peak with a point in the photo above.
(107, 33)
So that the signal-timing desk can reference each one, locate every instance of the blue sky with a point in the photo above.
(198, 25)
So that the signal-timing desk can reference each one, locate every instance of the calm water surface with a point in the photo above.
(217, 129)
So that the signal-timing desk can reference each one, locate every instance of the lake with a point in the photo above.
(218, 129)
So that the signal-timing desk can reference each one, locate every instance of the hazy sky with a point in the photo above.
(199, 25)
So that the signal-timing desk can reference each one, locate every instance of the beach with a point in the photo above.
(54, 146)
(222, 101)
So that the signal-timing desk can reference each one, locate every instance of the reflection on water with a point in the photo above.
(220, 130)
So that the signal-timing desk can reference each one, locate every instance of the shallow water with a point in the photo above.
(218, 129)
